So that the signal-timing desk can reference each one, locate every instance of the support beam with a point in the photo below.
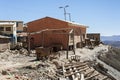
(74, 41)
(29, 43)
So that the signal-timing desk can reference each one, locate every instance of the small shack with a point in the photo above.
(94, 38)
(4, 43)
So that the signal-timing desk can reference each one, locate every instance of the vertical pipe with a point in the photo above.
(65, 13)
(69, 16)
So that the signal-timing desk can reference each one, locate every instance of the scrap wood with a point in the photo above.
(73, 65)
(79, 71)
(88, 71)
(89, 78)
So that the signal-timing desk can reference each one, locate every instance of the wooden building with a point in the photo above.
(93, 38)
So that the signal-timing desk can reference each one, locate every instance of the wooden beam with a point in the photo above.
(67, 47)
(75, 65)
(29, 37)
(74, 41)
(66, 75)
(89, 78)
(38, 32)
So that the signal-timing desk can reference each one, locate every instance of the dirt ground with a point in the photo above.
(17, 65)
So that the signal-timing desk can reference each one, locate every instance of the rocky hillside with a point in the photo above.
(110, 38)
(112, 57)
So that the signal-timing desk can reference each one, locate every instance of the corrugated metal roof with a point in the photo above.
(10, 21)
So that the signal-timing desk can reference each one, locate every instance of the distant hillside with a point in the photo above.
(111, 40)
(112, 43)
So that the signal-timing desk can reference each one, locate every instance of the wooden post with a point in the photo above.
(81, 38)
(73, 41)
(42, 39)
(67, 47)
(28, 43)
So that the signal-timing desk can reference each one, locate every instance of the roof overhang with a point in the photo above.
(10, 21)
(6, 24)
(77, 24)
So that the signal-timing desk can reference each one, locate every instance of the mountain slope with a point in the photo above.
(110, 38)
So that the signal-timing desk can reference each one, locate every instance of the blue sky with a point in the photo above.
(102, 16)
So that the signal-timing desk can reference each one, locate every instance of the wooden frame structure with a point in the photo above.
(39, 32)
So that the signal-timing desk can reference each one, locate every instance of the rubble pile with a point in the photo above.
(36, 71)
(15, 65)
(10, 60)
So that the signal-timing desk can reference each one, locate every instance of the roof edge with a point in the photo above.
(69, 22)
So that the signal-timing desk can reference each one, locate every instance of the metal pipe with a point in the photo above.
(69, 16)
(64, 11)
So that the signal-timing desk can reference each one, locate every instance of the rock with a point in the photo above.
(17, 77)
(57, 63)
(23, 51)
(31, 67)
(4, 72)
